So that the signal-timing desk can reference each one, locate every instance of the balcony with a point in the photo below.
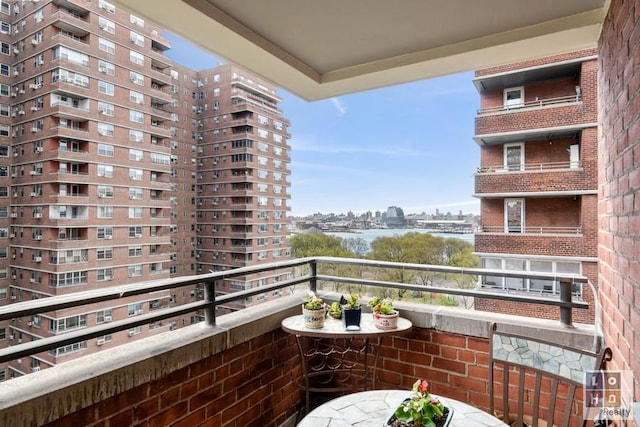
(241, 366)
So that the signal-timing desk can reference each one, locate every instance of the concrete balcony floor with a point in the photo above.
(243, 370)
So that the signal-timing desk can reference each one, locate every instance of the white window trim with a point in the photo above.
(514, 105)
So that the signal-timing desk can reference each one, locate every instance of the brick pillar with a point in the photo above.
(619, 184)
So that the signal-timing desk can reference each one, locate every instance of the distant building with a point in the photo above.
(537, 180)
(394, 217)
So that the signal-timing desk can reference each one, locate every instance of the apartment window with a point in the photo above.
(104, 233)
(5, 48)
(135, 155)
(106, 45)
(104, 315)
(136, 135)
(4, 70)
(136, 21)
(135, 251)
(104, 253)
(68, 279)
(136, 38)
(514, 157)
(105, 171)
(106, 108)
(105, 150)
(103, 4)
(68, 323)
(105, 212)
(106, 129)
(135, 174)
(4, 110)
(160, 159)
(513, 97)
(135, 193)
(106, 88)
(135, 212)
(136, 58)
(106, 67)
(135, 232)
(62, 52)
(136, 97)
(135, 271)
(136, 78)
(4, 90)
(107, 25)
(105, 191)
(5, 27)
(136, 116)
(514, 216)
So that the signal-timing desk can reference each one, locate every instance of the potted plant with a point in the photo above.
(314, 311)
(384, 315)
(351, 312)
(421, 409)
(335, 310)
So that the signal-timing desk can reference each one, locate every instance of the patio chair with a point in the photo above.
(533, 383)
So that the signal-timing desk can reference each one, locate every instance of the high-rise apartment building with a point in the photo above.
(537, 181)
(118, 165)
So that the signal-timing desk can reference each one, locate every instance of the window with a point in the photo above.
(104, 233)
(136, 116)
(136, 38)
(136, 78)
(62, 52)
(104, 315)
(103, 4)
(5, 48)
(105, 150)
(105, 171)
(68, 323)
(135, 232)
(514, 97)
(136, 97)
(136, 135)
(106, 67)
(135, 155)
(135, 193)
(106, 129)
(4, 70)
(135, 174)
(134, 271)
(135, 251)
(106, 45)
(136, 21)
(136, 58)
(106, 88)
(106, 108)
(135, 212)
(514, 157)
(105, 191)
(514, 215)
(105, 211)
(4, 90)
(104, 253)
(107, 25)
(68, 279)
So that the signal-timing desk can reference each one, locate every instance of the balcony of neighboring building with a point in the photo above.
(540, 97)
(72, 16)
(69, 238)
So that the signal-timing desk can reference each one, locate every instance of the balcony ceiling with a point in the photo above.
(320, 49)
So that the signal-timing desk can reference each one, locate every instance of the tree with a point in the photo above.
(318, 244)
(357, 245)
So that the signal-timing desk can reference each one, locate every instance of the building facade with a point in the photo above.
(118, 165)
(537, 181)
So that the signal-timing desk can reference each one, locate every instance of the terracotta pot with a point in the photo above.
(386, 321)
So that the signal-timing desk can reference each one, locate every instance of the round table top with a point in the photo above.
(335, 329)
(373, 408)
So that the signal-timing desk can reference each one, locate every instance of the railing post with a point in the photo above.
(313, 270)
(210, 297)
(566, 290)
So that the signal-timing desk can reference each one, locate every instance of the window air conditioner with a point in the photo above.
(109, 237)
(29, 323)
(34, 194)
(39, 149)
(107, 318)
(38, 237)
(100, 341)
(35, 86)
(37, 259)
(12, 236)
(35, 42)
(32, 280)
(35, 369)
(21, 112)
(138, 235)
(21, 91)
(131, 333)
(37, 215)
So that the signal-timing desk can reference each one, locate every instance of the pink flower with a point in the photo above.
(423, 386)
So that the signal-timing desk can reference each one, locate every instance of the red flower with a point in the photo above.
(423, 386)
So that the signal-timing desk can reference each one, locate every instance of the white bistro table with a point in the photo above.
(372, 408)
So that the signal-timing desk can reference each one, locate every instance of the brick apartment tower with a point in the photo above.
(537, 181)
(118, 165)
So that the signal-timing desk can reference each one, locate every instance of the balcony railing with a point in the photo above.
(530, 167)
(538, 102)
(531, 229)
(310, 271)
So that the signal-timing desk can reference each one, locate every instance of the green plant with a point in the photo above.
(335, 310)
(351, 302)
(314, 302)
(381, 306)
(421, 407)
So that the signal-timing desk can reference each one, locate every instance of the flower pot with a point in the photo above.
(313, 319)
(351, 318)
(443, 421)
(386, 321)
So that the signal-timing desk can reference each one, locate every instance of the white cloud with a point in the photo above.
(339, 106)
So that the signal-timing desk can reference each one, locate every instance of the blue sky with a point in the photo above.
(406, 145)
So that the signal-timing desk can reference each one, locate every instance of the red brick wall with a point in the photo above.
(249, 384)
(619, 179)
(536, 62)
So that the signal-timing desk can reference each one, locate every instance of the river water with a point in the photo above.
(370, 235)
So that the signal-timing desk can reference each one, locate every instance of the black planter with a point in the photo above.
(351, 318)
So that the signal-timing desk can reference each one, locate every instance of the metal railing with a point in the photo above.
(530, 167)
(538, 102)
(303, 270)
(531, 229)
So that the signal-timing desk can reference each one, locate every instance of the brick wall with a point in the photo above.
(619, 179)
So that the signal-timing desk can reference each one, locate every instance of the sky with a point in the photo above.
(407, 145)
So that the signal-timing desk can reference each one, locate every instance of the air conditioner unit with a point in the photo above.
(14, 114)
(14, 215)
(34, 108)
(35, 86)
(37, 215)
(14, 257)
(35, 369)
(29, 323)
(16, 73)
(139, 312)
(21, 112)
(37, 259)
(138, 235)
(14, 276)
(14, 94)
(39, 149)
(21, 91)
(100, 196)
(32, 280)
(40, 61)
(35, 42)
(13, 297)
(33, 173)
(108, 237)
(38, 237)
(102, 69)
(13, 175)
(16, 51)
(100, 341)
(131, 333)
(34, 194)
(12, 236)
(101, 111)
(101, 132)
(12, 337)
(35, 129)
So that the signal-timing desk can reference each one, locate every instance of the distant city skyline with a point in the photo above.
(407, 145)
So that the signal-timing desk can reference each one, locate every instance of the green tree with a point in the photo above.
(318, 244)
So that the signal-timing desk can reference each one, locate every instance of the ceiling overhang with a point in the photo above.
(321, 49)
